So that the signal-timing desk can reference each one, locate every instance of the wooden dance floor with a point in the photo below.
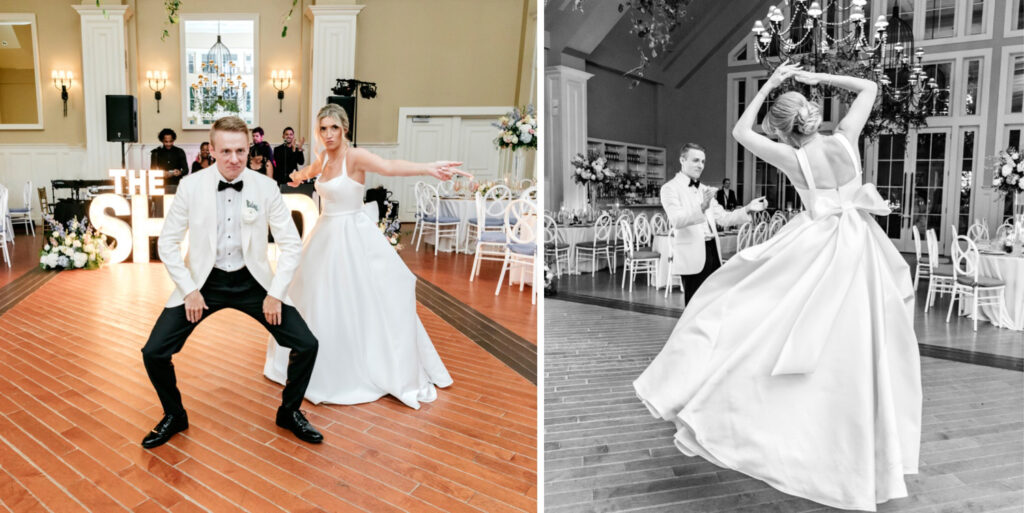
(603, 451)
(75, 402)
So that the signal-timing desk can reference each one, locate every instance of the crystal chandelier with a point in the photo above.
(219, 86)
(836, 39)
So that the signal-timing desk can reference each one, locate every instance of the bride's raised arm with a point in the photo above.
(775, 153)
(368, 162)
(860, 109)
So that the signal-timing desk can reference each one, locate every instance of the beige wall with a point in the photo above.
(421, 54)
(60, 42)
(17, 96)
(437, 53)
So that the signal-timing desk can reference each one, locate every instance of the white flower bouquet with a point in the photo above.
(77, 246)
(1009, 172)
(591, 169)
(517, 129)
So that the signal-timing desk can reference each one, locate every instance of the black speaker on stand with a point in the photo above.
(349, 104)
(122, 120)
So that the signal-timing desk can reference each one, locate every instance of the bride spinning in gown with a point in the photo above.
(796, 363)
(353, 289)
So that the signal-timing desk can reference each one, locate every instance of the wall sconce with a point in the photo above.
(281, 80)
(62, 80)
(157, 81)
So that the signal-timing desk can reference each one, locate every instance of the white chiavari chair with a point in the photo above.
(555, 245)
(521, 250)
(418, 215)
(978, 231)
(442, 226)
(1004, 231)
(23, 215)
(637, 260)
(618, 247)
(659, 224)
(713, 230)
(5, 231)
(745, 237)
(446, 188)
(985, 291)
(940, 277)
(760, 233)
(922, 266)
(525, 183)
(672, 278)
(597, 247)
(776, 224)
(643, 234)
(490, 212)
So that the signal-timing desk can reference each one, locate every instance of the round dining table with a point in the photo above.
(1010, 269)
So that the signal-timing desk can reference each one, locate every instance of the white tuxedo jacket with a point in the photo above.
(194, 211)
(682, 206)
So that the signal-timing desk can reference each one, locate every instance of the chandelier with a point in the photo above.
(838, 39)
(219, 86)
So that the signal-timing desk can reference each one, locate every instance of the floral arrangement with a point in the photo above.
(482, 187)
(1009, 172)
(390, 228)
(591, 169)
(628, 183)
(517, 129)
(79, 246)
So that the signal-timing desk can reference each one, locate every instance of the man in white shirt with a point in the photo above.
(225, 212)
(690, 206)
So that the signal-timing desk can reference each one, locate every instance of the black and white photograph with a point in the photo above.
(784, 256)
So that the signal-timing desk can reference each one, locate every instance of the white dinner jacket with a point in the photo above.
(194, 211)
(682, 206)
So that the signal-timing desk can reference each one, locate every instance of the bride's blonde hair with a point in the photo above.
(792, 116)
(334, 111)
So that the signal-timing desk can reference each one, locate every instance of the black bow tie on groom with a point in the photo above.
(225, 185)
(694, 183)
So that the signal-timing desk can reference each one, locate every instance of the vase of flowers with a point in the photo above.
(391, 228)
(591, 171)
(628, 187)
(1008, 173)
(77, 246)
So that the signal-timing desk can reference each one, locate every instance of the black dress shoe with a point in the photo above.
(296, 422)
(165, 429)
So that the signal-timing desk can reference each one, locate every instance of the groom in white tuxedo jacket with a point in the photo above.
(690, 206)
(226, 210)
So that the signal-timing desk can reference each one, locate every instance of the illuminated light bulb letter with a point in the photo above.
(112, 226)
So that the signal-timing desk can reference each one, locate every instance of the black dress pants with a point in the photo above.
(238, 290)
(691, 282)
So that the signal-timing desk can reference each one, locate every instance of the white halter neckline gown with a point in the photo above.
(359, 299)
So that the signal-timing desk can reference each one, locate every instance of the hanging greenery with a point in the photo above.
(653, 22)
(173, 6)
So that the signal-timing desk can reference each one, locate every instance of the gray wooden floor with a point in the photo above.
(604, 452)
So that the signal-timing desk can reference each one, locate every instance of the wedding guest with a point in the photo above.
(262, 148)
(288, 156)
(204, 159)
(169, 158)
(726, 196)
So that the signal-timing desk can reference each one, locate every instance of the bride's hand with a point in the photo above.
(444, 170)
(294, 181)
(783, 73)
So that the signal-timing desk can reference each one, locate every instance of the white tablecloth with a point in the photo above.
(661, 245)
(1010, 269)
(463, 209)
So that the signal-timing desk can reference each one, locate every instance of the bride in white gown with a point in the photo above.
(352, 288)
(796, 362)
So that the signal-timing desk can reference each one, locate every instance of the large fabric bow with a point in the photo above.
(865, 199)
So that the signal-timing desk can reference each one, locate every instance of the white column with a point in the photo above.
(334, 54)
(104, 71)
(565, 98)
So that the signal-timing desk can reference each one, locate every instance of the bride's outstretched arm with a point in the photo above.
(442, 169)
(310, 171)
(777, 154)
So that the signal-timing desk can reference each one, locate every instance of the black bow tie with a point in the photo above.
(694, 183)
(225, 185)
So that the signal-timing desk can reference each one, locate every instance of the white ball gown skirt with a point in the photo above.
(359, 299)
(796, 363)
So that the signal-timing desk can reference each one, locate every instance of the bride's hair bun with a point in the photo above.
(791, 113)
(808, 119)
